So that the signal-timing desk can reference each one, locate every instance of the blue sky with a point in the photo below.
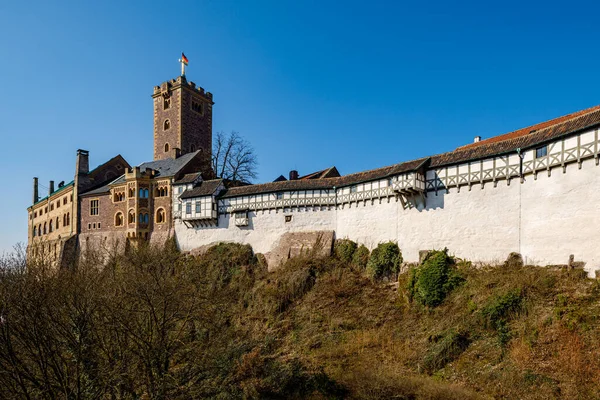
(310, 84)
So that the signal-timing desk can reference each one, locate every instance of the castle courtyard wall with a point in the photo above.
(545, 218)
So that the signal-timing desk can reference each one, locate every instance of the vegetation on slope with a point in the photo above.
(161, 325)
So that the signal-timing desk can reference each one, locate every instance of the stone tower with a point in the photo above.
(182, 119)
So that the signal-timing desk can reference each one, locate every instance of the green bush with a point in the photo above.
(434, 279)
(361, 257)
(384, 261)
(344, 250)
(498, 312)
(446, 349)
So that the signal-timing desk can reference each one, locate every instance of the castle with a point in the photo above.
(531, 191)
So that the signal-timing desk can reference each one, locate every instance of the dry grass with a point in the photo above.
(320, 328)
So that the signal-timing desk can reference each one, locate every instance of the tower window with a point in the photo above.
(192, 148)
(160, 216)
(197, 106)
(166, 147)
(166, 125)
(119, 219)
(94, 207)
(166, 103)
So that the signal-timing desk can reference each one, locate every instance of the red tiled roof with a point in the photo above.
(531, 129)
(523, 138)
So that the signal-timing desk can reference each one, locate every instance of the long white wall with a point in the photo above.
(472, 209)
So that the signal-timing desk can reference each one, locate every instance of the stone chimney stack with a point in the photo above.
(83, 162)
(293, 175)
(36, 196)
(51, 188)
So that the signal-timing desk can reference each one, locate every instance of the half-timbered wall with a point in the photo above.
(542, 204)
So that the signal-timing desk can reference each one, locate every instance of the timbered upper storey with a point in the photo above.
(539, 148)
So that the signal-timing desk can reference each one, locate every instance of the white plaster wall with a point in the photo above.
(477, 224)
(265, 228)
(559, 216)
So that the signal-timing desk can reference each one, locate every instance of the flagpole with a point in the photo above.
(182, 66)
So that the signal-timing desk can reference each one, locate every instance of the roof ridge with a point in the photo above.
(531, 128)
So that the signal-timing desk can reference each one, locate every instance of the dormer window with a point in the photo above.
(166, 103)
(167, 125)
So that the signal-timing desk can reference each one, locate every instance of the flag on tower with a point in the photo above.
(184, 59)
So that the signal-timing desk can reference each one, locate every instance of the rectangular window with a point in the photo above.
(353, 189)
(279, 196)
(180, 189)
(188, 208)
(541, 151)
(288, 218)
(94, 207)
(179, 207)
(166, 103)
(198, 206)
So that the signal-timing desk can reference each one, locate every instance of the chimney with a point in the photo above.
(477, 139)
(51, 188)
(36, 196)
(293, 175)
(83, 162)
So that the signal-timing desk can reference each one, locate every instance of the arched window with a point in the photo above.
(45, 228)
(50, 227)
(34, 231)
(68, 219)
(192, 148)
(166, 147)
(64, 219)
(146, 193)
(146, 218)
(40, 230)
(131, 217)
(160, 216)
(166, 103)
(166, 124)
(131, 192)
(141, 218)
(57, 222)
(119, 219)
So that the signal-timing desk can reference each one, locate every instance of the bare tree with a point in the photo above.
(233, 157)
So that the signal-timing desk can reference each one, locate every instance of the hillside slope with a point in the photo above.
(157, 324)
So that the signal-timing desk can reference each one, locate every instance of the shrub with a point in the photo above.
(385, 260)
(446, 349)
(344, 250)
(361, 257)
(225, 260)
(500, 310)
(434, 279)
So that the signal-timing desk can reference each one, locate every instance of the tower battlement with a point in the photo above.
(180, 81)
